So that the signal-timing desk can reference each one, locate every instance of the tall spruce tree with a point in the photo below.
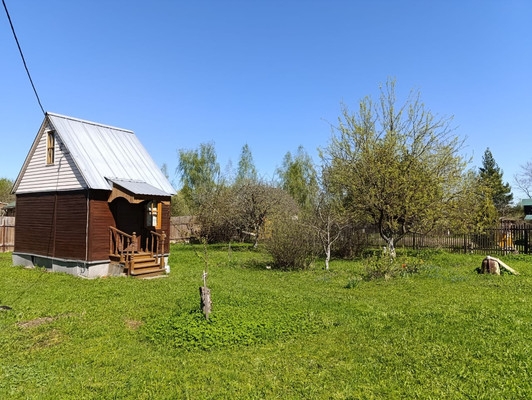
(490, 176)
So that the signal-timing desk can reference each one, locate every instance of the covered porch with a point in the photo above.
(138, 240)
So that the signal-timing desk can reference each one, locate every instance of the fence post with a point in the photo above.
(525, 229)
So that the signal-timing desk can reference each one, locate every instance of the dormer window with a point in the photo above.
(50, 147)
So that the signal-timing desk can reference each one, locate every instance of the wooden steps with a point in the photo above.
(144, 266)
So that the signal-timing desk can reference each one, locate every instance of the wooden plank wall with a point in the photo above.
(166, 225)
(7, 234)
(52, 224)
(100, 219)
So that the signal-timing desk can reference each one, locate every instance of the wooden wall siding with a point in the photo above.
(62, 175)
(101, 218)
(36, 233)
(165, 224)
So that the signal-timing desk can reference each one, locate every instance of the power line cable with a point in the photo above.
(22, 56)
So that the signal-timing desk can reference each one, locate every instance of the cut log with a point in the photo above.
(506, 267)
(490, 266)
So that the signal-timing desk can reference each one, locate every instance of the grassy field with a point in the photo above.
(442, 333)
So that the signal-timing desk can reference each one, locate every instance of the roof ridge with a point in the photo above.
(88, 122)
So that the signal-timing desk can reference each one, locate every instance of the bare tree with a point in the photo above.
(523, 179)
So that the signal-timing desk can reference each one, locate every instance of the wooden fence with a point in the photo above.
(7, 234)
(502, 240)
(183, 229)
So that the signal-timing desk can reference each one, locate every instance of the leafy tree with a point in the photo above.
(397, 166)
(299, 178)
(246, 166)
(200, 173)
(179, 206)
(6, 185)
(490, 176)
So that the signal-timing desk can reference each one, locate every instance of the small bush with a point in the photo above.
(379, 267)
(292, 245)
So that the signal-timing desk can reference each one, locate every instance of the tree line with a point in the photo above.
(390, 164)
(394, 165)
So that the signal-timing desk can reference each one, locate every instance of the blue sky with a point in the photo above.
(272, 74)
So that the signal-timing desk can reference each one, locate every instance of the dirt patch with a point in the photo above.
(133, 324)
(39, 321)
(35, 322)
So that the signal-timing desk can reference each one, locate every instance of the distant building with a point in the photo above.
(7, 209)
(90, 201)
(527, 208)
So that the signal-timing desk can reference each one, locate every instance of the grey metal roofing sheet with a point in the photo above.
(104, 152)
(138, 187)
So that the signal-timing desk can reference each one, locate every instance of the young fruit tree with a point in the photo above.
(329, 224)
(397, 166)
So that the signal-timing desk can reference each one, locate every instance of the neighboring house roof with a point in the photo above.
(89, 155)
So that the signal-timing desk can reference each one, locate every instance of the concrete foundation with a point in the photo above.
(94, 269)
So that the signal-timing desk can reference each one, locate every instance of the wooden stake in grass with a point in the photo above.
(205, 295)
(205, 292)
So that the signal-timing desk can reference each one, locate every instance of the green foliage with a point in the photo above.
(179, 205)
(246, 167)
(229, 327)
(299, 178)
(396, 166)
(386, 267)
(490, 176)
(292, 245)
(5, 190)
(199, 172)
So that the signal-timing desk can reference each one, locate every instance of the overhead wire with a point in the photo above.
(22, 56)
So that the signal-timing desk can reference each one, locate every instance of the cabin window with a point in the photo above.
(153, 214)
(50, 147)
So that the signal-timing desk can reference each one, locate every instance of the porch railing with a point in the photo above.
(155, 246)
(123, 246)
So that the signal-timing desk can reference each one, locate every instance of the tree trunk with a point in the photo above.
(206, 303)
(327, 256)
(390, 248)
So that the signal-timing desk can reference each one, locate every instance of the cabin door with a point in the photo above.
(129, 217)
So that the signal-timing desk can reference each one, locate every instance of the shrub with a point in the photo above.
(292, 245)
(383, 266)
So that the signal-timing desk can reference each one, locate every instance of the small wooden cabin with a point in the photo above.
(91, 202)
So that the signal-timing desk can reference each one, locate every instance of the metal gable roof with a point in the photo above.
(104, 153)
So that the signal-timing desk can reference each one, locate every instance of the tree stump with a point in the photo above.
(206, 304)
(490, 266)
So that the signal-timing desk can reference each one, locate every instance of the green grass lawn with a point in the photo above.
(445, 332)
